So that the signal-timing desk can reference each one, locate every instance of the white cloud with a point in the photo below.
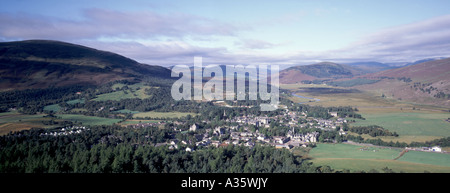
(429, 38)
(99, 23)
(164, 38)
(254, 44)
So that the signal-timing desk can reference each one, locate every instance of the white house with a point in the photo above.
(193, 127)
(436, 149)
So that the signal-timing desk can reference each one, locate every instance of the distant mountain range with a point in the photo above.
(330, 70)
(426, 72)
(425, 83)
(371, 67)
(321, 70)
(44, 63)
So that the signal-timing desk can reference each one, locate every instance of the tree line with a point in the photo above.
(442, 142)
(372, 130)
(113, 149)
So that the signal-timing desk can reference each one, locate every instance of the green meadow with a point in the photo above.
(54, 108)
(431, 158)
(132, 121)
(411, 126)
(15, 121)
(365, 158)
(118, 95)
(126, 111)
(133, 91)
(75, 101)
(88, 120)
(14, 116)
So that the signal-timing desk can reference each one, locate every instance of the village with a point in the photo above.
(245, 131)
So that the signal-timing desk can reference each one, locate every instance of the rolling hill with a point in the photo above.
(425, 83)
(426, 72)
(370, 67)
(323, 70)
(45, 63)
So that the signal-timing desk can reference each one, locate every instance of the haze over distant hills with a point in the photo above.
(44, 63)
(330, 70)
(428, 71)
(318, 71)
(426, 82)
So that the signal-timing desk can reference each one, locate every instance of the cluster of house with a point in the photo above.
(241, 135)
(304, 138)
(67, 131)
(245, 138)
(429, 149)
(251, 120)
(142, 125)
(330, 124)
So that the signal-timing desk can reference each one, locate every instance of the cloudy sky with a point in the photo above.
(239, 32)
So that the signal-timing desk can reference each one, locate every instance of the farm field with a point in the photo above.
(365, 158)
(14, 121)
(88, 120)
(75, 101)
(427, 158)
(54, 108)
(411, 126)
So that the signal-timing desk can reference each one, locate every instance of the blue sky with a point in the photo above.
(239, 32)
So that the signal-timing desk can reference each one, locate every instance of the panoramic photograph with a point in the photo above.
(228, 87)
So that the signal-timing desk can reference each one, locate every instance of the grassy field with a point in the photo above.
(427, 158)
(153, 114)
(362, 158)
(54, 108)
(88, 120)
(118, 95)
(75, 101)
(411, 126)
(14, 121)
(133, 91)
(127, 111)
(133, 121)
